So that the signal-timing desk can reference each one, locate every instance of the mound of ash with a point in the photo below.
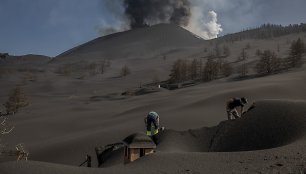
(273, 123)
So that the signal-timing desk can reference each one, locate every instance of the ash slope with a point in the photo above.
(278, 125)
(273, 123)
(137, 43)
(29, 60)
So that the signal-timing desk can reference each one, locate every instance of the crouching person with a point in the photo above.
(232, 105)
(152, 125)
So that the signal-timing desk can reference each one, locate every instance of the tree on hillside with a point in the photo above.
(217, 51)
(93, 68)
(258, 52)
(200, 68)
(269, 63)
(210, 71)
(193, 69)
(243, 69)
(265, 31)
(65, 69)
(179, 71)
(101, 66)
(17, 99)
(243, 55)
(297, 49)
(125, 70)
(184, 70)
(226, 69)
(248, 46)
(108, 63)
(226, 51)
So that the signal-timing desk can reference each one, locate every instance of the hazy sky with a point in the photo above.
(49, 27)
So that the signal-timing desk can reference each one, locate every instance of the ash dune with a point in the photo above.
(273, 123)
(280, 143)
(69, 116)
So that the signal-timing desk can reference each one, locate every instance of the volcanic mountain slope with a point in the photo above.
(172, 41)
(138, 43)
(150, 52)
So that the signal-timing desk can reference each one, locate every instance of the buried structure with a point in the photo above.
(130, 149)
(136, 146)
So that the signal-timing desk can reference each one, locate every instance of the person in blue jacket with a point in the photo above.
(152, 123)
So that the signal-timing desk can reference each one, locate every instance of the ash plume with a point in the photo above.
(190, 14)
(204, 25)
(149, 12)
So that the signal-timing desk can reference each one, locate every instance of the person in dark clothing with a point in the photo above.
(232, 105)
(152, 123)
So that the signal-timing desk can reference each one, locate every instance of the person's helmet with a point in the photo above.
(154, 114)
(244, 100)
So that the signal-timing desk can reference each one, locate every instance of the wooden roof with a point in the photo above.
(139, 140)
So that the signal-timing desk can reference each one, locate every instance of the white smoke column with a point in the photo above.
(113, 19)
(204, 25)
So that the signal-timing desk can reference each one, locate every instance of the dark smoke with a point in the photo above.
(142, 13)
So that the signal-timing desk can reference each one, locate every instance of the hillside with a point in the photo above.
(74, 106)
(29, 59)
(265, 31)
(138, 43)
(173, 41)
(150, 52)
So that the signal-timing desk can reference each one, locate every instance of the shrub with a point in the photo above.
(226, 69)
(243, 70)
(297, 49)
(179, 71)
(226, 51)
(17, 99)
(211, 70)
(125, 70)
(268, 63)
